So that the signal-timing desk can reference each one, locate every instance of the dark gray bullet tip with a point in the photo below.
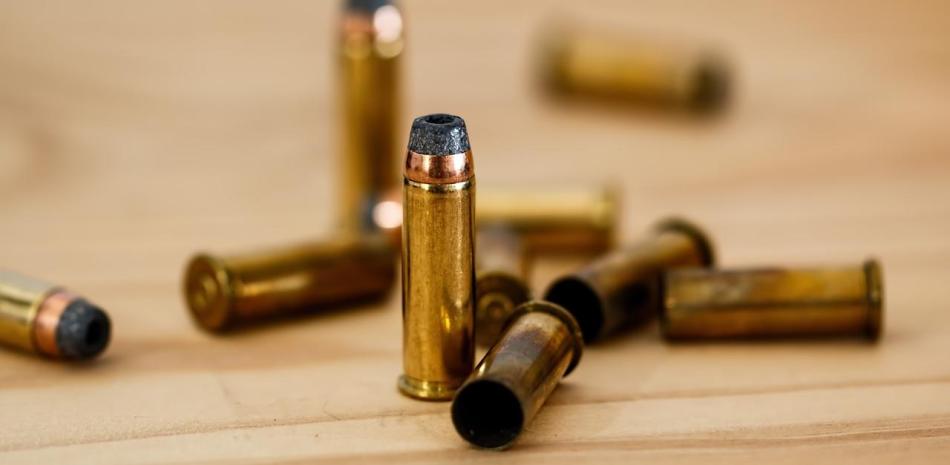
(83, 331)
(365, 6)
(438, 134)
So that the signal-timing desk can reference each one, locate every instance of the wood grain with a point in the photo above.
(133, 134)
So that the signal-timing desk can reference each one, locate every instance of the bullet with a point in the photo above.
(371, 44)
(773, 302)
(438, 264)
(46, 319)
(620, 288)
(541, 345)
(225, 292)
(500, 281)
(615, 67)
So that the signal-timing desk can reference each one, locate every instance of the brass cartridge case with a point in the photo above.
(46, 319)
(438, 264)
(371, 45)
(224, 292)
(615, 67)
(773, 302)
(541, 345)
(500, 281)
(621, 288)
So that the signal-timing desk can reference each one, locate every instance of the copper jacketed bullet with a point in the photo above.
(438, 263)
(584, 62)
(370, 47)
(500, 280)
(541, 344)
(621, 288)
(47, 319)
(239, 290)
(773, 302)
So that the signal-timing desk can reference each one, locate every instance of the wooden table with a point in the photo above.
(133, 134)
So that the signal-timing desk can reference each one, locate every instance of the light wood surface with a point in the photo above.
(134, 133)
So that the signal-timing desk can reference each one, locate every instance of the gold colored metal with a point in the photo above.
(614, 67)
(773, 302)
(438, 265)
(31, 313)
(541, 345)
(225, 292)
(620, 289)
(563, 220)
(370, 49)
(500, 281)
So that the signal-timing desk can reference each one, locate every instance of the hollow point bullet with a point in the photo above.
(621, 288)
(500, 280)
(370, 49)
(583, 62)
(773, 302)
(438, 264)
(46, 319)
(541, 344)
(224, 292)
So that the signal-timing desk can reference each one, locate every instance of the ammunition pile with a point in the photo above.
(465, 264)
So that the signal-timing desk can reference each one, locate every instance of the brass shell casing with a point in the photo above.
(773, 302)
(621, 288)
(500, 281)
(541, 344)
(20, 300)
(584, 62)
(230, 291)
(371, 45)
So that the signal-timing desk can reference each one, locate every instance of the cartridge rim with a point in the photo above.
(875, 298)
(503, 286)
(426, 390)
(709, 84)
(700, 238)
(208, 292)
(560, 313)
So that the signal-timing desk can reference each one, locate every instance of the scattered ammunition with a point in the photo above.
(46, 319)
(500, 284)
(620, 289)
(371, 43)
(541, 344)
(610, 67)
(438, 264)
(773, 302)
(554, 221)
(227, 292)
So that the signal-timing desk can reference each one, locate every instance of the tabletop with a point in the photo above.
(133, 134)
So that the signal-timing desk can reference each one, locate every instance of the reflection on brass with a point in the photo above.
(370, 46)
(620, 289)
(500, 284)
(438, 265)
(46, 319)
(616, 67)
(225, 292)
(773, 302)
(541, 344)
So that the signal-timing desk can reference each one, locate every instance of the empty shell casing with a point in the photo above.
(46, 319)
(238, 290)
(500, 281)
(616, 67)
(620, 288)
(438, 263)
(541, 344)
(370, 47)
(773, 302)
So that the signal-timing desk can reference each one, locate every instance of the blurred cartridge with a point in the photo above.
(47, 319)
(500, 280)
(621, 288)
(614, 67)
(438, 263)
(562, 220)
(238, 290)
(773, 302)
(370, 46)
(541, 344)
